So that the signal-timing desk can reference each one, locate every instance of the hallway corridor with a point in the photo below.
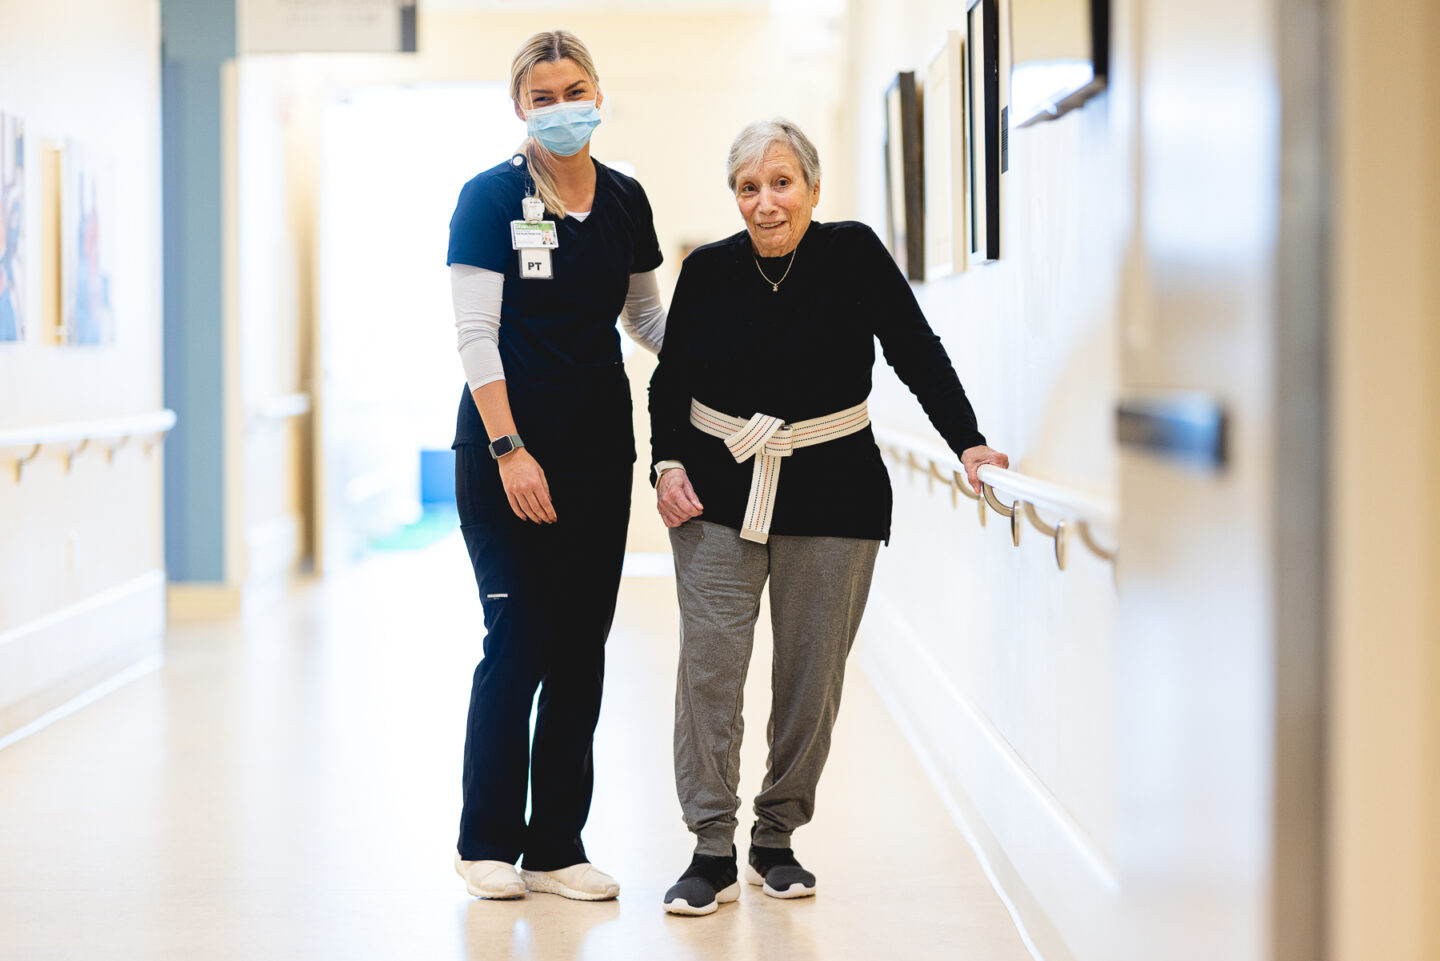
(287, 787)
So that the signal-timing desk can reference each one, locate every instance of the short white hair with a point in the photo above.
(752, 142)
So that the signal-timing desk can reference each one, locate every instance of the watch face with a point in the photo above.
(501, 446)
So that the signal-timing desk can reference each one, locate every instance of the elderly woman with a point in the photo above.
(765, 468)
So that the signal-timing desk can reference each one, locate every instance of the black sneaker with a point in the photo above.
(778, 873)
(707, 883)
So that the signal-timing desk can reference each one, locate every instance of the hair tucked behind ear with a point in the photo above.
(549, 46)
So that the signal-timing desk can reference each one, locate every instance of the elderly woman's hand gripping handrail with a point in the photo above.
(974, 458)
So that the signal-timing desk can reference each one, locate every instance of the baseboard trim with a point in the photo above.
(904, 675)
(67, 658)
(147, 666)
(272, 552)
(191, 601)
(150, 580)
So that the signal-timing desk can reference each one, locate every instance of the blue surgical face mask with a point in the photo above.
(564, 128)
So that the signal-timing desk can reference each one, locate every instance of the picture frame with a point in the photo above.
(14, 242)
(988, 127)
(946, 159)
(1060, 53)
(904, 176)
(88, 236)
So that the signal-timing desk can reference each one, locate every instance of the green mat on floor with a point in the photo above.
(438, 521)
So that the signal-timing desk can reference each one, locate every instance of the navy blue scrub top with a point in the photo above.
(558, 341)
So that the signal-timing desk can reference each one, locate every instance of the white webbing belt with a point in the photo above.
(768, 439)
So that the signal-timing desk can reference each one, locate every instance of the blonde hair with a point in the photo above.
(549, 46)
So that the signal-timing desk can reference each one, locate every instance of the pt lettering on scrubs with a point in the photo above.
(534, 238)
(535, 264)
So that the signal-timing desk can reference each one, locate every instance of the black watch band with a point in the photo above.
(505, 444)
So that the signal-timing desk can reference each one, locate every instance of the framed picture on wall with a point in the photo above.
(1060, 53)
(989, 134)
(947, 245)
(87, 242)
(12, 228)
(904, 183)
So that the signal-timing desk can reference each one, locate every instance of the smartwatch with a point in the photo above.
(505, 444)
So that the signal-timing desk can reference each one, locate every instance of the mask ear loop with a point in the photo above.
(603, 108)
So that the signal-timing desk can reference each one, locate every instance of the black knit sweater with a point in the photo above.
(803, 351)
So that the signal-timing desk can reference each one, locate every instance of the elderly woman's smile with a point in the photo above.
(776, 200)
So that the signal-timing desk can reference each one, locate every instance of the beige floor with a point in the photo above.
(287, 787)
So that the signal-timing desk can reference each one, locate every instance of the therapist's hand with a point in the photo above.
(526, 487)
(973, 458)
(677, 502)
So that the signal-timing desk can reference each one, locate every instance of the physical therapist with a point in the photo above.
(546, 250)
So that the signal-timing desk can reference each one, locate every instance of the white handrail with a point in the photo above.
(1070, 503)
(77, 435)
(278, 408)
(1076, 509)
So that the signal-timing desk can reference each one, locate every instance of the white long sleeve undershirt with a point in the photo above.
(477, 292)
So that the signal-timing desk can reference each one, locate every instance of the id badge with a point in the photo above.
(535, 264)
(527, 234)
(534, 238)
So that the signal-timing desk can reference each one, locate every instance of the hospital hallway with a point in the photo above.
(1116, 322)
(287, 786)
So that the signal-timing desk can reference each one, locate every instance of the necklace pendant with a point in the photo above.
(775, 287)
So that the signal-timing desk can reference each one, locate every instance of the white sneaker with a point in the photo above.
(580, 882)
(490, 879)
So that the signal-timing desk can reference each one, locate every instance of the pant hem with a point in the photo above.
(770, 839)
(715, 847)
(484, 853)
(553, 862)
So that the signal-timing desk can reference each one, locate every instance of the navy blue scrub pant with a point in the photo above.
(548, 591)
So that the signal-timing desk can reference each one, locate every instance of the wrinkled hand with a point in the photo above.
(526, 487)
(677, 502)
(973, 458)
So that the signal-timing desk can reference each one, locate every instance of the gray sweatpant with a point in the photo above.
(818, 587)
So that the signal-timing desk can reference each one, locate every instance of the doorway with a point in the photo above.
(392, 162)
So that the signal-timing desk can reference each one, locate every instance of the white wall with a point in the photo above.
(81, 587)
(1000, 665)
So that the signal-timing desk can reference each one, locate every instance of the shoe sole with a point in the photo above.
(509, 894)
(543, 884)
(796, 890)
(682, 907)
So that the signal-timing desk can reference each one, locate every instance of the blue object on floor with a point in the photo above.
(438, 521)
(437, 476)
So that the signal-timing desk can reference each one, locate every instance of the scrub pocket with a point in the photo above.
(494, 557)
(489, 529)
(479, 494)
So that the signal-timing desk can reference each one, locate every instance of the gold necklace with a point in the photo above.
(775, 284)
